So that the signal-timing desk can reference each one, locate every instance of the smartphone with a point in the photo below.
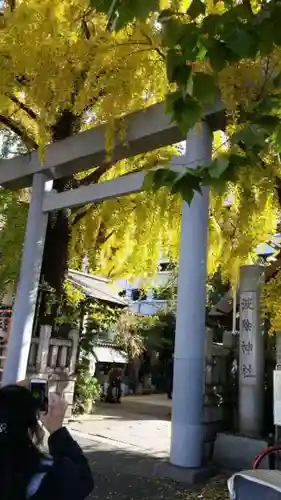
(40, 391)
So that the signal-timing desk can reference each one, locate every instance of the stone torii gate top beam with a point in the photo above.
(147, 129)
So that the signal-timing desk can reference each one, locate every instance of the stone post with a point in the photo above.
(63, 357)
(74, 336)
(208, 356)
(43, 348)
(278, 349)
(8, 297)
(251, 352)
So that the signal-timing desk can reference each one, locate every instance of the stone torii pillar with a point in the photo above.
(188, 388)
(251, 351)
(26, 297)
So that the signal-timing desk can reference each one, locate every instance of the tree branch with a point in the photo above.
(92, 178)
(95, 176)
(16, 128)
(85, 29)
(108, 236)
(248, 5)
(101, 237)
(161, 54)
(22, 106)
(80, 216)
(94, 100)
(12, 4)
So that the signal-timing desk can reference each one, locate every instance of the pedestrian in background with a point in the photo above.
(115, 383)
(170, 377)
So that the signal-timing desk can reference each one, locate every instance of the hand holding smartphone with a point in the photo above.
(40, 391)
(54, 417)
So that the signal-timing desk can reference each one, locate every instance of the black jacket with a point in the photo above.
(69, 477)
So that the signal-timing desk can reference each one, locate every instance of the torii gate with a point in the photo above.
(147, 130)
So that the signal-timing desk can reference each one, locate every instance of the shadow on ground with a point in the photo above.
(126, 475)
(130, 411)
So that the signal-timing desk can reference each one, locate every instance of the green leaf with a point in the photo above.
(211, 24)
(102, 5)
(189, 42)
(251, 136)
(276, 35)
(277, 140)
(204, 88)
(219, 54)
(183, 76)
(165, 15)
(265, 38)
(185, 186)
(270, 105)
(148, 180)
(277, 81)
(158, 179)
(228, 4)
(142, 8)
(197, 8)
(173, 32)
(219, 185)
(170, 100)
(239, 13)
(275, 23)
(186, 113)
(138, 9)
(169, 177)
(155, 179)
(218, 166)
(236, 161)
(242, 43)
(175, 59)
(202, 51)
(164, 177)
(268, 122)
(122, 12)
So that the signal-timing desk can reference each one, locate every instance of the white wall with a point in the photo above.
(149, 306)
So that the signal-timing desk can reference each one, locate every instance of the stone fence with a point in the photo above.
(54, 359)
(220, 397)
(221, 388)
(50, 355)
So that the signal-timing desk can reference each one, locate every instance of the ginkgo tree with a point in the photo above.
(63, 70)
(216, 48)
(228, 49)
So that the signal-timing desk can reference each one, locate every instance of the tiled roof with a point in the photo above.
(96, 287)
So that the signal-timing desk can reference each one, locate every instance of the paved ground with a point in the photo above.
(127, 430)
(123, 475)
(128, 453)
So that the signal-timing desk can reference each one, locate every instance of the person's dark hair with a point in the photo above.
(19, 457)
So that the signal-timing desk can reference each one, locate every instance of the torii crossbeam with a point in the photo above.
(147, 130)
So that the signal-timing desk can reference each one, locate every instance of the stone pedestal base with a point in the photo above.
(237, 452)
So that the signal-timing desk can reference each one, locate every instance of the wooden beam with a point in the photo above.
(148, 129)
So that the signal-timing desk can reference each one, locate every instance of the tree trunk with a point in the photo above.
(55, 257)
